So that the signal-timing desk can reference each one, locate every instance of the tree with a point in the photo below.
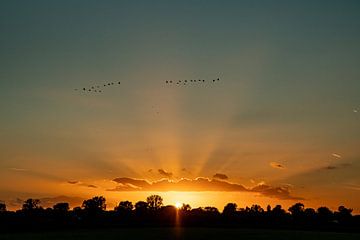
(154, 202)
(256, 209)
(278, 211)
(297, 209)
(94, 205)
(124, 206)
(61, 207)
(2, 207)
(185, 207)
(31, 204)
(324, 214)
(141, 207)
(230, 209)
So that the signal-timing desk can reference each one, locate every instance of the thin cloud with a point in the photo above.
(72, 182)
(78, 183)
(221, 176)
(18, 169)
(336, 155)
(338, 166)
(199, 184)
(277, 165)
(164, 173)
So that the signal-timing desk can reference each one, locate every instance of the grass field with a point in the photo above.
(180, 233)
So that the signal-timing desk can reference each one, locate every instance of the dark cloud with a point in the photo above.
(277, 165)
(282, 192)
(164, 173)
(81, 184)
(338, 166)
(199, 185)
(220, 176)
(72, 182)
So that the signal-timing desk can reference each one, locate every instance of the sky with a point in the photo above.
(281, 125)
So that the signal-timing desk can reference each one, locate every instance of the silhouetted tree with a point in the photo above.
(185, 207)
(324, 214)
(61, 207)
(297, 209)
(126, 206)
(154, 202)
(211, 210)
(230, 209)
(2, 207)
(256, 209)
(141, 207)
(31, 204)
(94, 205)
(278, 210)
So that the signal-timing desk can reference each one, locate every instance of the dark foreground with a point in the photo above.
(180, 233)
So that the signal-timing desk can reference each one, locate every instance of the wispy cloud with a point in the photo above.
(18, 169)
(338, 166)
(221, 176)
(336, 155)
(74, 182)
(277, 165)
(165, 173)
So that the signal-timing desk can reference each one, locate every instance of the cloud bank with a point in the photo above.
(199, 184)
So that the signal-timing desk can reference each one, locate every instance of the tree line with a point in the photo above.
(152, 212)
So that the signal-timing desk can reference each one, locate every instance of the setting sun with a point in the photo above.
(178, 205)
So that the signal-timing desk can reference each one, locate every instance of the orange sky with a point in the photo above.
(281, 125)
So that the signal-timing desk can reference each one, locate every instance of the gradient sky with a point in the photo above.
(285, 115)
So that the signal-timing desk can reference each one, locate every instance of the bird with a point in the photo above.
(167, 81)
(218, 79)
(118, 82)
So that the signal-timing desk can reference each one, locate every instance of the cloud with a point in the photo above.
(336, 155)
(277, 165)
(220, 176)
(72, 182)
(199, 184)
(282, 192)
(164, 173)
(81, 184)
(18, 169)
(334, 167)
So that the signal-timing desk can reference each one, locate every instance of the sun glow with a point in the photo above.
(178, 205)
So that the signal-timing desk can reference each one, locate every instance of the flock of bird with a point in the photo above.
(191, 81)
(97, 88)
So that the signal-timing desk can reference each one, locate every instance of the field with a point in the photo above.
(180, 233)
